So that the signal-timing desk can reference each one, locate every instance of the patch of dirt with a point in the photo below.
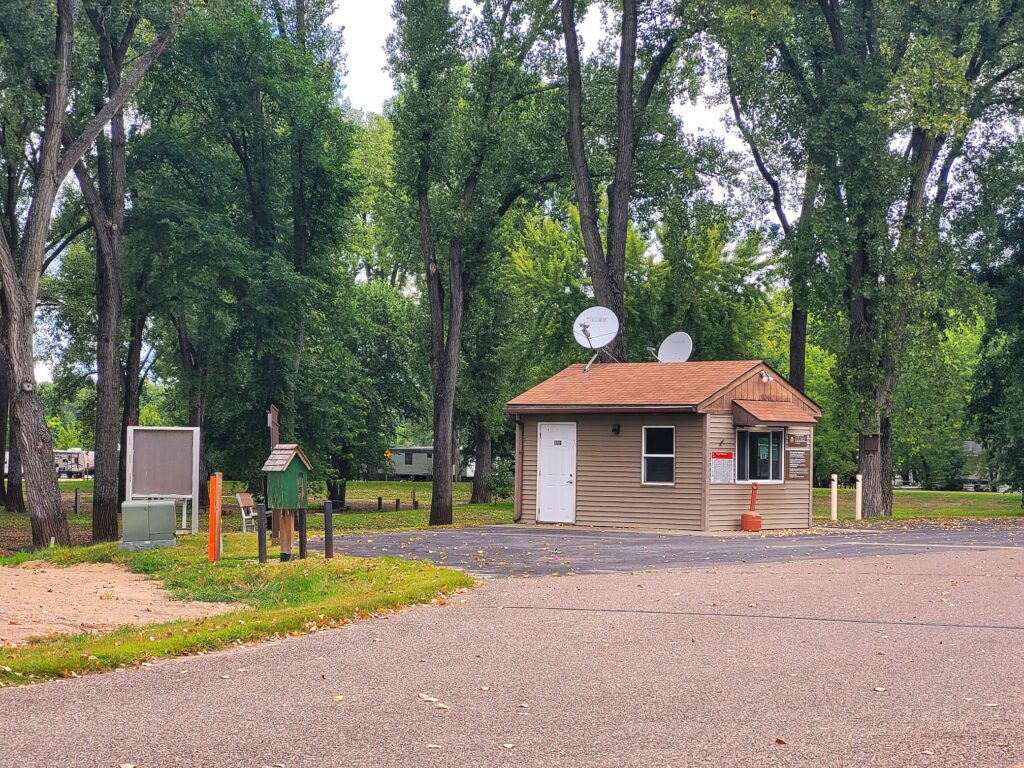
(39, 599)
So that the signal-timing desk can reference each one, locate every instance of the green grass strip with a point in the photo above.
(279, 599)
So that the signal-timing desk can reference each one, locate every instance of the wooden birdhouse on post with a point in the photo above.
(287, 470)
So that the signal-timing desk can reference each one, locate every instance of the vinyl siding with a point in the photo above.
(754, 388)
(609, 491)
(781, 505)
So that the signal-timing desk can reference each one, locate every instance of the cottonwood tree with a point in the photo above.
(878, 99)
(650, 34)
(244, 186)
(53, 151)
(102, 179)
(990, 225)
(474, 128)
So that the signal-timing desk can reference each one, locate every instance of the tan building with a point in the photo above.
(664, 445)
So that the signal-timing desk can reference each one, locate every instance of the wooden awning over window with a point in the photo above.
(748, 413)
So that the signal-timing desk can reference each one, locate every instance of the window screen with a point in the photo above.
(408, 457)
(759, 455)
(659, 455)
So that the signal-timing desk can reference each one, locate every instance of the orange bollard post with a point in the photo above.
(751, 521)
(213, 549)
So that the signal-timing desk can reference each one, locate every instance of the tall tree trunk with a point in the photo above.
(15, 498)
(20, 272)
(106, 491)
(132, 396)
(5, 409)
(875, 467)
(798, 346)
(35, 443)
(484, 465)
(105, 201)
(196, 418)
(338, 486)
(444, 348)
(607, 264)
(194, 375)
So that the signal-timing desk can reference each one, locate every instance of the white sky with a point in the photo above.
(368, 85)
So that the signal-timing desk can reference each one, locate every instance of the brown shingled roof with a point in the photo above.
(749, 412)
(629, 386)
(282, 455)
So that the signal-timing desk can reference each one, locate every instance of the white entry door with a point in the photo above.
(556, 473)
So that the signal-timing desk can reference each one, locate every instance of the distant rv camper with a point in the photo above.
(74, 463)
(416, 462)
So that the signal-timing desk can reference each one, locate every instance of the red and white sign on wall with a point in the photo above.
(723, 467)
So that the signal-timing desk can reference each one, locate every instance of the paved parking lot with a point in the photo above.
(522, 550)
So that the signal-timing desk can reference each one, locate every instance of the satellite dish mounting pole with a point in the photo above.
(607, 327)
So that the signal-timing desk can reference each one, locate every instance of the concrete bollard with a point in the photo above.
(858, 500)
(834, 512)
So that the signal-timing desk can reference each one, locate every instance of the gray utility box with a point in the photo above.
(147, 524)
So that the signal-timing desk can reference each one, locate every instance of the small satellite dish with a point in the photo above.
(595, 328)
(676, 348)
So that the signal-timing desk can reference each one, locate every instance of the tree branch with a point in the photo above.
(76, 150)
(766, 174)
(56, 250)
(830, 9)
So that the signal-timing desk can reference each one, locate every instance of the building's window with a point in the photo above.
(759, 455)
(430, 455)
(659, 459)
(408, 457)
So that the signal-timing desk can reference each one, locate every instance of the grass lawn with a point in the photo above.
(15, 530)
(280, 599)
(910, 505)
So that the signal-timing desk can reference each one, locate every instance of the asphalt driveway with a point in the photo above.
(530, 550)
(895, 661)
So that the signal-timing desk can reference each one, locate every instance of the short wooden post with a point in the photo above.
(380, 503)
(286, 533)
(302, 533)
(214, 544)
(858, 499)
(835, 498)
(78, 494)
(328, 529)
(415, 501)
(398, 505)
(261, 531)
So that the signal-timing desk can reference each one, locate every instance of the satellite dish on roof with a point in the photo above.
(595, 328)
(676, 348)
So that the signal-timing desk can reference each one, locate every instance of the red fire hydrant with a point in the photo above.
(751, 521)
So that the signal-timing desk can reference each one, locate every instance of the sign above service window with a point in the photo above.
(797, 439)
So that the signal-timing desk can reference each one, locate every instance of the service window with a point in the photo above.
(759, 455)
(659, 457)
(408, 457)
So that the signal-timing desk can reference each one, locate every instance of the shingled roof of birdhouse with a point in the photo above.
(282, 456)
